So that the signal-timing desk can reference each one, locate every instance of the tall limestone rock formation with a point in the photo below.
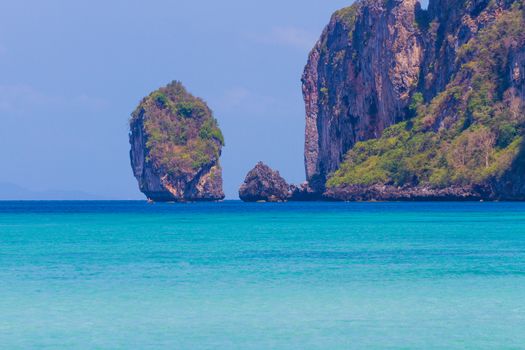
(175, 147)
(359, 80)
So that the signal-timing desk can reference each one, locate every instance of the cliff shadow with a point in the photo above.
(511, 184)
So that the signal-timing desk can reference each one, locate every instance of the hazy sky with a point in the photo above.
(71, 72)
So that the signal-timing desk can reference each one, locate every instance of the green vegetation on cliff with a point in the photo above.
(469, 133)
(348, 16)
(182, 136)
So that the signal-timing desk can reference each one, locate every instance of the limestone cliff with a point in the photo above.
(406, 103)
(175, 147)
(358, 80)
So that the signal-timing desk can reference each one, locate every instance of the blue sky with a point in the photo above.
(71, 72)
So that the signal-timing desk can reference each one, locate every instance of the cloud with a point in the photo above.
(19, 98)
(242, 99)
(290, 36)
(84, 100)
(235, 97)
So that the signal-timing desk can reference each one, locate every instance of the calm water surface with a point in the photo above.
(128, 275)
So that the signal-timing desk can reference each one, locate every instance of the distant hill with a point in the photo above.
(9, 191)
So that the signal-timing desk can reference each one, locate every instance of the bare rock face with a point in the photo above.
(264, 184)
(175, 147)
(358, 80)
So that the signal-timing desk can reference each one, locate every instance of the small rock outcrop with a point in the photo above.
(264, 184)
(175, 147)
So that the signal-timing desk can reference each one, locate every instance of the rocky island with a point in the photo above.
(405, 103)
(175, 147)
(264, 184)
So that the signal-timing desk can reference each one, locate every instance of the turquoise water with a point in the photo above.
(128, 275)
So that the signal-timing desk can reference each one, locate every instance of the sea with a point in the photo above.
(231, 275)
